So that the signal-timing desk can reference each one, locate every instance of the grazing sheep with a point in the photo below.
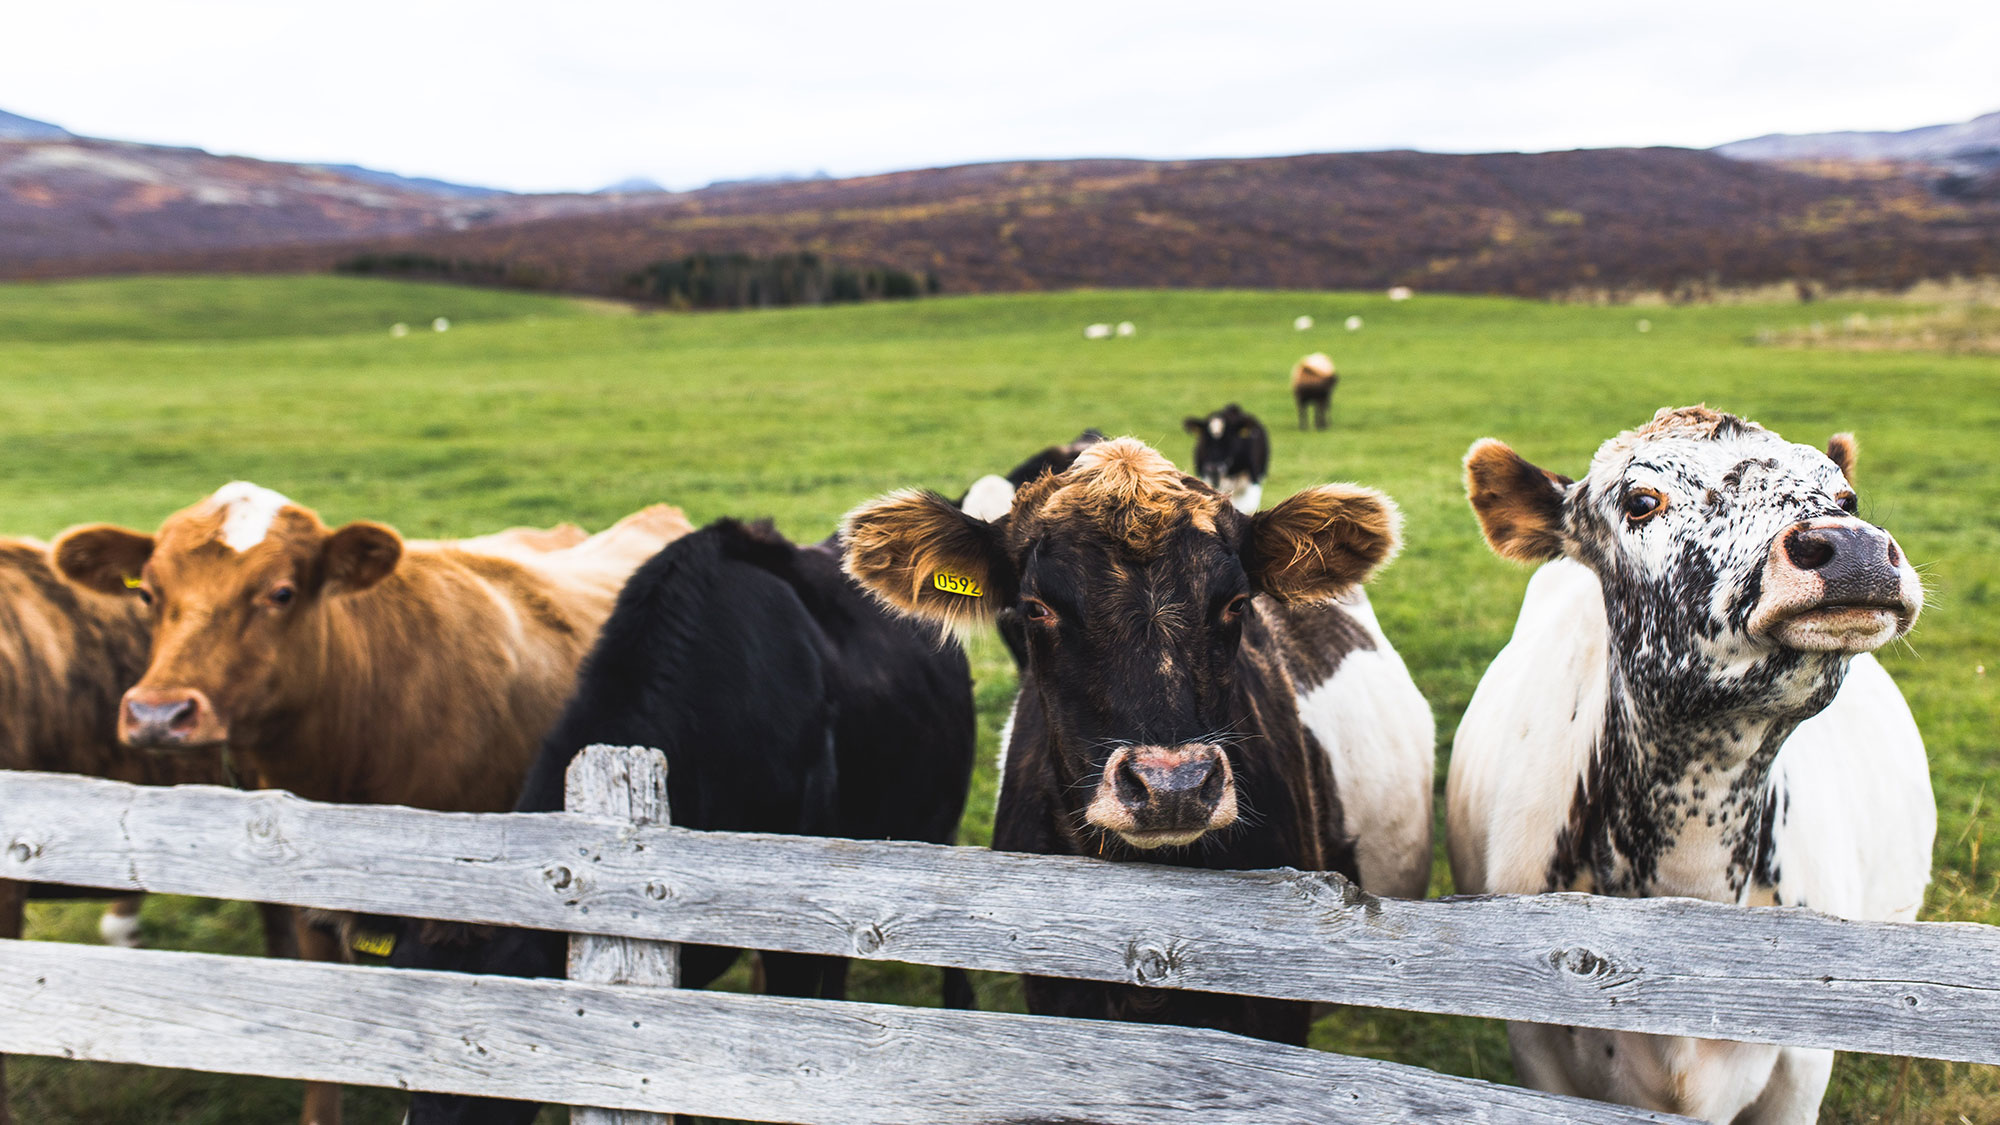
(1302, 323)
(1354, 324)
(1127, 328)
(1399, 293)
(1097, 331)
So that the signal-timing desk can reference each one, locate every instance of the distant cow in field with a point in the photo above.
(1202, 687)
(990, 496)
(1313, 381)
(1688, 708)
(347, 665)
(1232, 452)
(786, 700)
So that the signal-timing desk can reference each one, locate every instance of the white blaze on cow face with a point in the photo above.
(248, 512)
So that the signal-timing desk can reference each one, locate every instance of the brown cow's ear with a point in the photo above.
(1843, 450)
(1520, 507)
(923, 557)
(102, 557)
(1321, 542)
(358, 556)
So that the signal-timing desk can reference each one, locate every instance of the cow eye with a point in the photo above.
(145, 595)
(1642, 504)
(1035, 609)
(1237, 605)
(1848, 502)
(281, 595)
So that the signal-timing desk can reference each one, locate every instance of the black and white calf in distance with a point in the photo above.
(1232, 453)
(1200, 687)
(786, 700)
(1688, 707)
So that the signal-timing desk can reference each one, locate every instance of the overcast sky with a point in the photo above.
(577, 94)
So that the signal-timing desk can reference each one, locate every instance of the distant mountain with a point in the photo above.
(630, 185)
(1622, 220)
(1968, 146)
(445, 188)
(15, 127)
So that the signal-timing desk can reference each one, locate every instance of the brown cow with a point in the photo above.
(1313, 381)
(347, 665)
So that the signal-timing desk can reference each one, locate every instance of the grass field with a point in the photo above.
(124, 400)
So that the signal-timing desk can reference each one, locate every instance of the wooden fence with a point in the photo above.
(612, 873)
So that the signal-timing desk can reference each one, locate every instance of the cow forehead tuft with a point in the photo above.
(246, 511)
(1129, 490)
(1698, 441)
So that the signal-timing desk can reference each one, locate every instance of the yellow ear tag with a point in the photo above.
(374, 944)
(132, 583)
(956, 584)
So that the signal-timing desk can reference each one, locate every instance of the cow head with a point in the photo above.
(235, 586)
(1735, 571)
(1135, 585)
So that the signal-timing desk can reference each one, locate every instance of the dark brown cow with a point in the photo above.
(346, 665)
(1201, 687)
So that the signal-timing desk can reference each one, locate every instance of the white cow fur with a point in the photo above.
(1855, 841)
(249, 512)
(1378, 732)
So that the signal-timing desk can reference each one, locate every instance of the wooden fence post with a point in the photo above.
(628, 782)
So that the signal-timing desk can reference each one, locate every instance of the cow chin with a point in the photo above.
(1850, 629)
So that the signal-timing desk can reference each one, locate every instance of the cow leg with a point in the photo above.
(1302, 414)
(1319, 412)
(322, 1100)
(13, 897)
(279, 941)
(119, 925)
(805, 975)
(958, 991)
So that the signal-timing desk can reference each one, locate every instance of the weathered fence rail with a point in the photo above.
(1665, 966)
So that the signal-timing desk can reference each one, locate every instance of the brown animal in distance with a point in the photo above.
(1313, 381)
(348, 665)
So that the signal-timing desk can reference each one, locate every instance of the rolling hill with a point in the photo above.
(1608, 221)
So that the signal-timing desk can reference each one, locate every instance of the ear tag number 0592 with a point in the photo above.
(956, 584)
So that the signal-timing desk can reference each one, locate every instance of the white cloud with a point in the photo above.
(541, 96)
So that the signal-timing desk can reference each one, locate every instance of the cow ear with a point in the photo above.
(923, 557)
(102, 557)
(1320, 543)
(1192, 425)
(1520, 507)
(1844, 451)
(358, 556)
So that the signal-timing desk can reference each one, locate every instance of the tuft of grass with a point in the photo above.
(127, 400)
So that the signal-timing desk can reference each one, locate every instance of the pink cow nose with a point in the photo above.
(1161, 796)
(153, 719)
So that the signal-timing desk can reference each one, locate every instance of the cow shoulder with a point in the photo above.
(1525, 742)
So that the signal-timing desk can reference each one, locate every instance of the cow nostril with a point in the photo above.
(1808, 549)
(1133, 792)
(1895, 556)
(1210, 792)
(182, 716)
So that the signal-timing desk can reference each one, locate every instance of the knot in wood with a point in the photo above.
(22, 851)
(1581, 962)
(868, 939)
(657, 891)
(558, 877)
(1150, 964)
(264, 827)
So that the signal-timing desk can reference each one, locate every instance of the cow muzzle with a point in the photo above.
(1837, 585)
(169, 719)
(1164, 796)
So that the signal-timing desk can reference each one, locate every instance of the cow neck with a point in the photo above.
(1677, 806)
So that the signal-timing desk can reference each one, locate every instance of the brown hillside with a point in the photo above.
(1623, 219)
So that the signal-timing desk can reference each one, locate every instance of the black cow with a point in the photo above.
(786, 700)
(1232, 452)
(1196, 680)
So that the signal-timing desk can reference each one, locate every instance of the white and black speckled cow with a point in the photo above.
(1688, 708)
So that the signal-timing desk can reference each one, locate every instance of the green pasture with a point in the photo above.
(124, 400)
